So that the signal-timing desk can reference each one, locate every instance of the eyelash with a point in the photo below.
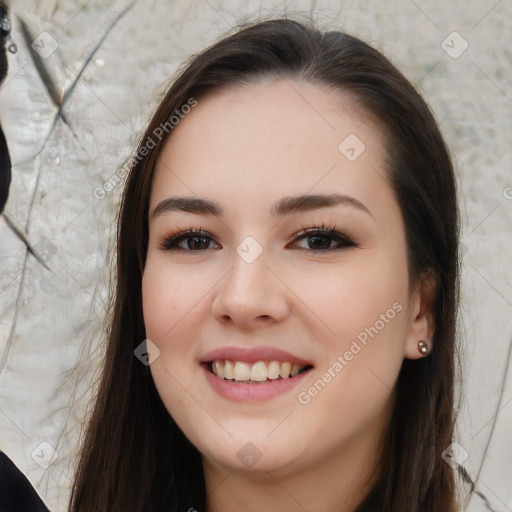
(169, 243)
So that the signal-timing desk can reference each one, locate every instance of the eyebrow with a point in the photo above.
(284, 206)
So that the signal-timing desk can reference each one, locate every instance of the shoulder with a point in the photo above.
(16, 492)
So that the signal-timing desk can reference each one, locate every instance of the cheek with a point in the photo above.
(170, 297)
(171, 309)
(352, 390)
(348, 297)
(364, 306)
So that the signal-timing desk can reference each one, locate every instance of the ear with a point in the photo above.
(421, 324)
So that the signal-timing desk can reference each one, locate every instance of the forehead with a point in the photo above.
(272, 138)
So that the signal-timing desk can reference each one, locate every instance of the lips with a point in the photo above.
(253, 374)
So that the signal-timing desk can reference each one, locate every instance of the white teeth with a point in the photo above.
(273, 370)
(218, 369)
(285, 370)
(228, 370)
(257, 372)
(242, 371)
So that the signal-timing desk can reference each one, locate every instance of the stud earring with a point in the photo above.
(422, 347)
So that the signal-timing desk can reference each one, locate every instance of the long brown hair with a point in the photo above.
(134, 456)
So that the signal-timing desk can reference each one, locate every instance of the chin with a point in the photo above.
(251, 459)
(253, 452)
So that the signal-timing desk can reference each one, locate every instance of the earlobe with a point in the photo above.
(421, 326)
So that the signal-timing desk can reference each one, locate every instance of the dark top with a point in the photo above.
(16, 492)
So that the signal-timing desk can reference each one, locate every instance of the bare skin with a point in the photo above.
(246, 149)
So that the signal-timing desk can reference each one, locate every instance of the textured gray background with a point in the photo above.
(51, 320)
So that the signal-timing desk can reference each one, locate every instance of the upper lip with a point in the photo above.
(252, 355)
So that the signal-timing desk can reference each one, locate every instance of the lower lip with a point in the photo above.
(240, 392)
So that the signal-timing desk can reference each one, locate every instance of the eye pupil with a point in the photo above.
(316, 241)
(198, 242)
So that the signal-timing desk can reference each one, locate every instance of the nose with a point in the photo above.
(251, 295)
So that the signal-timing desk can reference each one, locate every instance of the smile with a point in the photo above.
(253, 373)
(244, 374)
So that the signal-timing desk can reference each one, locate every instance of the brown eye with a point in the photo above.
(323, 240)
(320, 241)
(197, 242)
(188, 241)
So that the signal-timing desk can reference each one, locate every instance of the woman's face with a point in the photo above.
(252, 296)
